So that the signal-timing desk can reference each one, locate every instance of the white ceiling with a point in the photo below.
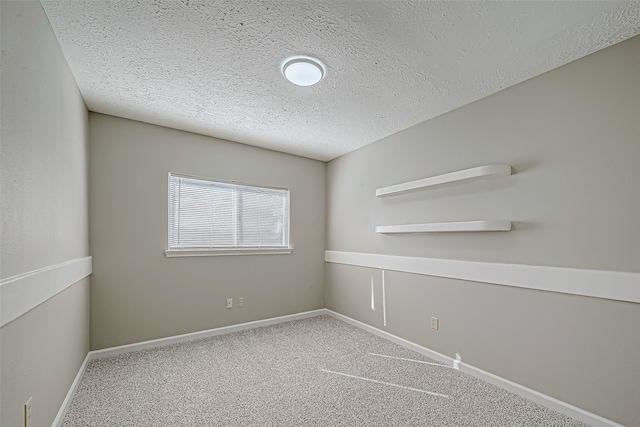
(213, 67)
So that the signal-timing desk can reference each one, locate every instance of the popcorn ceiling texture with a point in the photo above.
(293, 374)
(213, 67)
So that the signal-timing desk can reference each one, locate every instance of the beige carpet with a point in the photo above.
(313, 372)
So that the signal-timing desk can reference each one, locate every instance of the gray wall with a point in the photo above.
(137, 292)
(44, 211)
(571, 136)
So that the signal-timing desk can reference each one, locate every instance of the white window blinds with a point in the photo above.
(210, 214)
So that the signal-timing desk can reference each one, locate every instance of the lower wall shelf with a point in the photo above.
(443, 227)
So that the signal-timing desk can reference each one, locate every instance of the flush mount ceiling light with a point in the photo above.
(303, 70)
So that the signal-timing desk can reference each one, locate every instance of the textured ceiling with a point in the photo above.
(213, 67)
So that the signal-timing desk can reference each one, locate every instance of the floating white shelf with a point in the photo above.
(441, 227)
(458, 176)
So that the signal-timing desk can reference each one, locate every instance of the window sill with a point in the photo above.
(173, 253)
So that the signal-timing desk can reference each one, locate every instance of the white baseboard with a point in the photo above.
(72, 391)
(112, 351)
(537, 397)
(161, 342)
(400, 341)
(614, 285)
(540, 398)
(547, 401)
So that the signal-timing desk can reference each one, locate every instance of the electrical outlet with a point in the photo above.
(229, 302)
(241, 302)
(434, 323)
(27, 412)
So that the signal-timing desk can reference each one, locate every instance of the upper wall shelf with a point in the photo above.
(444, 227)
(458, 176)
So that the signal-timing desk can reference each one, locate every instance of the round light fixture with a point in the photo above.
(303, 70)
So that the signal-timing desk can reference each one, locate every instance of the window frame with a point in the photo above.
(225, 250)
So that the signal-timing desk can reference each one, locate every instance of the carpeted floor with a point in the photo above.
(313, 372)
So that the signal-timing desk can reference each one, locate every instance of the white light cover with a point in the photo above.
(303, 71)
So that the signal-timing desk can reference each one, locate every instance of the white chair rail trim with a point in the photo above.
(23, 292)
(614, 285)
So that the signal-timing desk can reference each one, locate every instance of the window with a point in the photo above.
(218, 218)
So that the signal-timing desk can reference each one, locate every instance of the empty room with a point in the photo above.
(319, 213)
